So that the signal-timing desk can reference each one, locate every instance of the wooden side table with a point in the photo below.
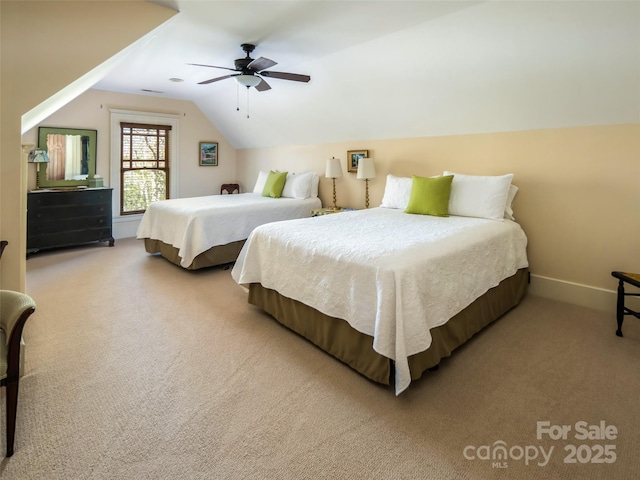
(229, 188)
(622, 310)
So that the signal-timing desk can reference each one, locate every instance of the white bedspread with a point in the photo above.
(193, 225)
(391, 275)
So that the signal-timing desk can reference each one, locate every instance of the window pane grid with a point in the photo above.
(144, 166)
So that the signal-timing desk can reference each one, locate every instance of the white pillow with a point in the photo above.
(508, 211)
(314, 185)
(260, 182)
(478, 195)
(297, 185)
(397, 192)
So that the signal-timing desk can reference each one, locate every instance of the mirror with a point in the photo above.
(72, 157)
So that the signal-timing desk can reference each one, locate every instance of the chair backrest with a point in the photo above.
(229, 188)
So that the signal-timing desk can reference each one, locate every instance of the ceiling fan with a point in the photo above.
(251, 71)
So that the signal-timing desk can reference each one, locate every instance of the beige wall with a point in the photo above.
(579, 197)
(579, 187)
(91, 111)
(39, 58)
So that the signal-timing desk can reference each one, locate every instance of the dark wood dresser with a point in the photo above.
(61, 218)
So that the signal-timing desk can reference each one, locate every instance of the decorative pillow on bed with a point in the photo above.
(261, 181)
(508, 211)
(479, 196)
(298, 185)
(397, 192)
(275, 184)
(430, 196)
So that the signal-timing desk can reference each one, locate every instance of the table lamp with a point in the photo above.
(333, 171)
(38, 156)
(366, 171)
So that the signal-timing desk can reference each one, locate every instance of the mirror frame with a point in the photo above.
(41, 177)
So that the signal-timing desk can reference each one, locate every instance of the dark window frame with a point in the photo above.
(162, 153)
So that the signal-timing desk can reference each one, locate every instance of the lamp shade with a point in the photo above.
(366, 169)
(333, 169)
(248, 80)
(38, 156)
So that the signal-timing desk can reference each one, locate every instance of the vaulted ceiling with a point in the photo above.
(394, 69)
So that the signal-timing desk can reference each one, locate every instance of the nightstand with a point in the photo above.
(329, 210)
(316, 212)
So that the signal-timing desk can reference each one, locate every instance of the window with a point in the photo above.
(144, 166)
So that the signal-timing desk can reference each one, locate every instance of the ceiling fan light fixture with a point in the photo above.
(248, 80)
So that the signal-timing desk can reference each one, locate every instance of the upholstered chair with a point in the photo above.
(15, 309)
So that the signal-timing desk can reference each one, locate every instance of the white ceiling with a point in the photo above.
(394, 69)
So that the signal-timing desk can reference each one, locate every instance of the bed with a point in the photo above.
(206, 231)
(387, 292)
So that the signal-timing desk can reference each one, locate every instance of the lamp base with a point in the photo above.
(366, 195)
(334, 195)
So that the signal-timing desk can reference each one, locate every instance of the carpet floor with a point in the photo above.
(138, 369)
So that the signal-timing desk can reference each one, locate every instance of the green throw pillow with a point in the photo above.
(430, 196)
(274, 185)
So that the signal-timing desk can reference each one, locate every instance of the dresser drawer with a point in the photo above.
(67, 198)
(68, 238)
(68, 224)
(47, 213)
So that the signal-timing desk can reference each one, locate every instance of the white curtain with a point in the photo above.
(73, 157)
(56, 151)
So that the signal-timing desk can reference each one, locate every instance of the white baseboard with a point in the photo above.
(126, 227)
(583, 295)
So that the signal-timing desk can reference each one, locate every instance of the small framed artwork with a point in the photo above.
(208, 154)
(352, 159)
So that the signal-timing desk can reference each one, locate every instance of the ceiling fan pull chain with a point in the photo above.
(237, 97)
(247, 102)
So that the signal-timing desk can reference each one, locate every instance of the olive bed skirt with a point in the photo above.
(339, 339)
(218, 255)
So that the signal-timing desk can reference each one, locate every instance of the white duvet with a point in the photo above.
(193, 225)
(390, 274)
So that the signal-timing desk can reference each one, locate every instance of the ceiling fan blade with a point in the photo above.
(261, 63)
(210, 66)
(211, 80)
(286, 76)
(262, 86)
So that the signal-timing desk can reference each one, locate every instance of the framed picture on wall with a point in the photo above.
(352, 159)
(208, 154)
